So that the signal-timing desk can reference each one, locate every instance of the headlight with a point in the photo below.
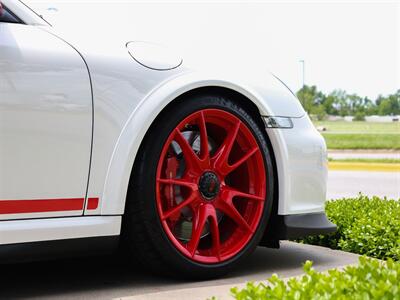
(278, 122)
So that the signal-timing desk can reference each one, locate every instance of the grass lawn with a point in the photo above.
(361, 135)
(359, 127)
(362, 140)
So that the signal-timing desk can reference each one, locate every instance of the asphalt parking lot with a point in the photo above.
(108, 278)
(350, 183)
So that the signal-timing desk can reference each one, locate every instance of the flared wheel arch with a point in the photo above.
(253, 111)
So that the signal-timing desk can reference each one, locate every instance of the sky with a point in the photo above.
(349, 45)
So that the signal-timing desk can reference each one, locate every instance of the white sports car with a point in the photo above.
(126, 145)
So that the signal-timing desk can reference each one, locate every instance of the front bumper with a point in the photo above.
(301, 167)
(296, 226)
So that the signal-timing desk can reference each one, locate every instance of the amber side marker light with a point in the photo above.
(278, 122)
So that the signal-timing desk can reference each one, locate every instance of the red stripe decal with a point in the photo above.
(93, 203)
(45, 205)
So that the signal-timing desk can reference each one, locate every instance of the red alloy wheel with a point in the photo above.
(211, 186)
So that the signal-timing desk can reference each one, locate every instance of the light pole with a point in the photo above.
(304, 70)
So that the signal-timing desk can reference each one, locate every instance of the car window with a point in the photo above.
(7, 17)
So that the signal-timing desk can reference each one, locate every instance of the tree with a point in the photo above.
(359, 116)
(389, 105)
(309, 97)
(319, 112)
(340, 103)
(329, 105)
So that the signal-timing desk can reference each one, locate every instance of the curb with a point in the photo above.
(361, 166)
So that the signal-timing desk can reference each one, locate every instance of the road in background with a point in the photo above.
(350, 183)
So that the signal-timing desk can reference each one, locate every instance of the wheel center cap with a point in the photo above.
(209, 185)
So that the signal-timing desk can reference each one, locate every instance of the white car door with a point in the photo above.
(45, 124)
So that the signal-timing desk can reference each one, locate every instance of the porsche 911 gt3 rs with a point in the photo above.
(125, 145)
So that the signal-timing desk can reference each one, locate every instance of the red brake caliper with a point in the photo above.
(170, 172)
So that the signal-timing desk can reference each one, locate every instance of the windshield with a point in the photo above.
(33, 12)
(24, 13)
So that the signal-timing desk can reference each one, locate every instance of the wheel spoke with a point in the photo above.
(204, 152)
(229, 193)
(181, 182)
(200, 219)
(228, 208)
(222, 155)
(177, 208)
(225, 170)
(216, 246)
(191, 157)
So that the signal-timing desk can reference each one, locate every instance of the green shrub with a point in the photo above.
(371, 279)
(359, 116)
(369, 226)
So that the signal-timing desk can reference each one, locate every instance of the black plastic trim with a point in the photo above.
(296, 226)
(49, 250)
(9, 17)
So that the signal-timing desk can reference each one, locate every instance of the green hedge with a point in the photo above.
(371, 279)
(369, 226)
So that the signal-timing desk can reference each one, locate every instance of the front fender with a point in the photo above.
(271, 99)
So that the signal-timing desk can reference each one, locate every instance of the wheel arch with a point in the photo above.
(170, 94)
(244, 102)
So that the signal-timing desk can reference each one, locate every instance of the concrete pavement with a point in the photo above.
(105, 278)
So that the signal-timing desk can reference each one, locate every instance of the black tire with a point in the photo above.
(143, 233)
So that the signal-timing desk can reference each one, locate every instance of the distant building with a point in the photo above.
(334, 118)
(348, 118)
(382, 119)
